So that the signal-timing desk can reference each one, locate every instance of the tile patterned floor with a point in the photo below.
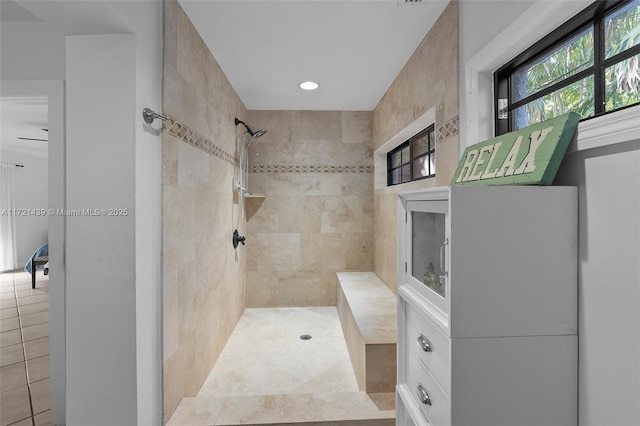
(24, 350)
(265, 355)
(267, 375)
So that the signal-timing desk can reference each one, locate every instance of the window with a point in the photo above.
(590, 65)
(414, 159)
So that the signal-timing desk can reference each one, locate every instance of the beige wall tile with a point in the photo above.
(352, 338)
(308, 184)
(203, 276)
(290, 288)
(277, 251)
(170, 37)
(447, 160)
(321, 251)
(308, 288)
(381, 368)
(193, 167)
(331, 214)
(357, 249)
(191, 52)
(261, 288)
(357, 127)
(428, 81)
(169, 160)
(348, 213)
(357, 184)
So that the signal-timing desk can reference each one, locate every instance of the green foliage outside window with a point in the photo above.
(622, 79)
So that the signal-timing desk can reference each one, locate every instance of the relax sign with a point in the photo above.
(529, 156)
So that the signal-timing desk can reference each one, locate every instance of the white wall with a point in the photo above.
(39, 54)
(100, 255)
(609, 318)
(31, 192)
(144, 18)
(606, 168)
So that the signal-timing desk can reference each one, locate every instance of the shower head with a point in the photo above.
(254, 135)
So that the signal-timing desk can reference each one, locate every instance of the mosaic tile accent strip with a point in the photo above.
(311, 169)
(448, 129)
(190, 136)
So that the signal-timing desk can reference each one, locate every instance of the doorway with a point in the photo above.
(39, 313)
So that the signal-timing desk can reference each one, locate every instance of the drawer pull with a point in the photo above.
(424, 343)
(423, 395)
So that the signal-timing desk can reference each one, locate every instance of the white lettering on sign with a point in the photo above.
(528, 164)
(509, 163)
(468, 165)
(487, 174)
(473, 170)
(475, 174)
(528, 156)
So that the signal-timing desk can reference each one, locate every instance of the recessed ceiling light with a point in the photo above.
(309, 85)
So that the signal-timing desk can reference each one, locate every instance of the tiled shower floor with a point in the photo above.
(267, 375)
(24, 350)
(265, 355)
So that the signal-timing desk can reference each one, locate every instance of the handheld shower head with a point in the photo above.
(254, 135)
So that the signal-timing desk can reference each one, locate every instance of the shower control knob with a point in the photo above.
(237, 238)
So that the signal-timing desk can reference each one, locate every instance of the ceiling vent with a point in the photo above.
(409, 2)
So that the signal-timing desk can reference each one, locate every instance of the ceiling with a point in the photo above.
(353, 48)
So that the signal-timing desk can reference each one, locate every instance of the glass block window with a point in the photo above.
(414, 159)
(590, 65)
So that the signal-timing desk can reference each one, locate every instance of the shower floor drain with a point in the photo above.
(305, 337)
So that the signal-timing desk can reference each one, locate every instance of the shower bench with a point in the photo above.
(368, 312)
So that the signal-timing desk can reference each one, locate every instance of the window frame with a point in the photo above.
(428, 154)
(592, 15)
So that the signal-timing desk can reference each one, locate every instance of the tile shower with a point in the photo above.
(203, 279)
(316, 169)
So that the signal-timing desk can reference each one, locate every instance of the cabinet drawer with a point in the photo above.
(422, 385)
(420, 331)
(403, 414)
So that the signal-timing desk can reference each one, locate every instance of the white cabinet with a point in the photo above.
(487, 306)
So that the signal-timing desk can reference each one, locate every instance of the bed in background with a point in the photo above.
(38, 260)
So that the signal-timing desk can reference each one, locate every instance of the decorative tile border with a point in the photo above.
(448, 129)
(190, 136)
(311, 169)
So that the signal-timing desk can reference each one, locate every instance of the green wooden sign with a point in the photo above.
(529, 156)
